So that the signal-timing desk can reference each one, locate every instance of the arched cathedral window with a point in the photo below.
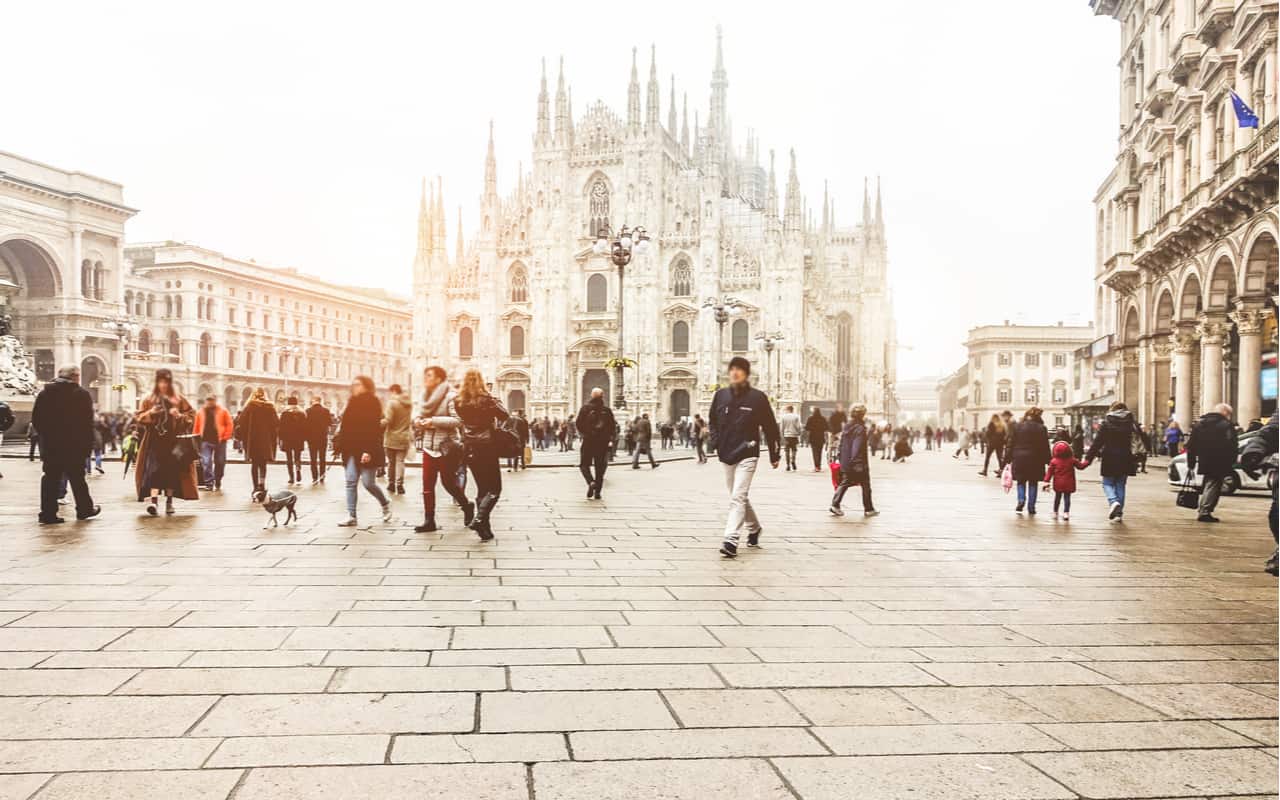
(597, 207)
(740, 336)
(597, 293)
(680, 338)
(681, 279)
(518, 284)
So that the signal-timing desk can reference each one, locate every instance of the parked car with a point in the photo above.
(1240, 480)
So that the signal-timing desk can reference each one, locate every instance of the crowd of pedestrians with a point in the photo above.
(459, 429)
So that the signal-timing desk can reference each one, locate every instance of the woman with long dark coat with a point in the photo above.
(359, 445)
(259, 429)
(1028, 451)
(164, 415)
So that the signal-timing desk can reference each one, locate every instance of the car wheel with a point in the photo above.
(1271, 480)
(1231, 484)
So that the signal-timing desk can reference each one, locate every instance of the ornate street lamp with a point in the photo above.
(769, 341)
(722, 309)
(123, 329)
(620, 250)
(287, 350)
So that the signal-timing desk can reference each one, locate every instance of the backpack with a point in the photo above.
(1137, 443)
(6, 417)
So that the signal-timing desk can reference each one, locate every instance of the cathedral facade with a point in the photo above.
(529, 302)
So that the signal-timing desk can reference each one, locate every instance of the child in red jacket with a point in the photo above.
(1061, 474)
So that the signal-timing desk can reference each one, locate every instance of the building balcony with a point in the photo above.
(1160, 90)
(1185, 58)
(1118, 271)
(1215, 17)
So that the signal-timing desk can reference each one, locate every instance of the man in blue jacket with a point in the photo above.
(853, 462)
(738, 414)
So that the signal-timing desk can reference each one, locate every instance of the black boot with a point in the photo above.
(428, 525)
(468, 514)
(481, 524)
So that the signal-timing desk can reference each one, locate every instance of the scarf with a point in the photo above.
(431, 403)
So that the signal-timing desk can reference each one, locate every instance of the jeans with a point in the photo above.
(737, 478)
(94, 460)
(56, 476)
(367, 477)
(642, 447)
(847, 479)
(395, 466)
(816, 446)
(293, 462)
(316, 449)
(446, 470)
(593, 454)
(1064, 498)
(1027, 491)
(1210, 491)
(213, 458)
(791, 444)
(1113, 488)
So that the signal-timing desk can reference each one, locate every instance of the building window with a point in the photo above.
(175, 347)
(466, 345)
(231, 358)
(739, 336)
(977, 393)
(204, 348)
(1004, 359)
(597, 293)
(682, 279)
(597, 207)
(680, 338)
(1031, 360)
(1059, 395)
(1004, 394)
(518, 283)
(144, 341)
(1060, 360)
(1031, 393)
(517, 341)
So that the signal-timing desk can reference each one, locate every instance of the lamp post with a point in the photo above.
(620, 250)
(769, 341)
(722, 309)
(123, 329)
(287, 350)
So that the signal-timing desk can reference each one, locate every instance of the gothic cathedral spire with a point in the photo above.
(684, 129)
(653, 105)
(794, 215)
(671, 109)
(543, 136)
(490, 169)
(633, 97)
(424, 224)
(458, 244)
(866, 203)
(719, 92)
(562, 110)
(879, 207)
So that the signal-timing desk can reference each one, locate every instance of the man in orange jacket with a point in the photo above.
(215, 428)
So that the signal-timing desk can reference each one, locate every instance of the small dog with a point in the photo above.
(274, 503)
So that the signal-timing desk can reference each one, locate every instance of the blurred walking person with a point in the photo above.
(1114, 443)
(996, 436)
(258, 428)
(789, 425)
(438, 429)
(1212, 450)
(293, 435)
(397, 437)
(64, 411)
(855, 466)
(164, 415)
(214, 427)
(1028, 451)
(359, 445)
(319, 421)
(596, 425)
(816, 427)
(643, 432)
(480, 413)
(739, 413)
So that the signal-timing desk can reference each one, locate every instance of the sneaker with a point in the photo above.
(50, 520)
(836, 511)
(315, 481)
(1055, 515)
(753, 539)
(151, 507)
(1117, 511)
(386, 513)
(1065, 516)
(468, 514)
(168, 506)
(62, 501)
(90, 514)
(871, 513)
(591, 491)
(1207, 518)
(729, 550)
(1018, 508)
(1273, 564)
(349, 522)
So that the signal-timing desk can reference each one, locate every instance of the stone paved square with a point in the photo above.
(945, 649)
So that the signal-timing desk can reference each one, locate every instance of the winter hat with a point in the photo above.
(740, 363)
(1061, 450)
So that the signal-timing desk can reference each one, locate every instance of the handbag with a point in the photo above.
(1188, 495)
(528, 455)
(834, 466)
(506, 441)
(1006, 478)
(186, 450)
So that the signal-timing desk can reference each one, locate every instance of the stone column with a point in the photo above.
(1184, 344)
(1213, 330)
(77, 256)
(1248, 320)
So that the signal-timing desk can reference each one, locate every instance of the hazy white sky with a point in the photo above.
(297, 133)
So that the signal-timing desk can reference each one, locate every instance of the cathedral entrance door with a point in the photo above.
(591, 379)
(679, 404)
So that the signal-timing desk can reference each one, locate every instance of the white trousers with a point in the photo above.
(737, 478)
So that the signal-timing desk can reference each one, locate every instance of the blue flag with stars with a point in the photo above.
(1244, 114)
